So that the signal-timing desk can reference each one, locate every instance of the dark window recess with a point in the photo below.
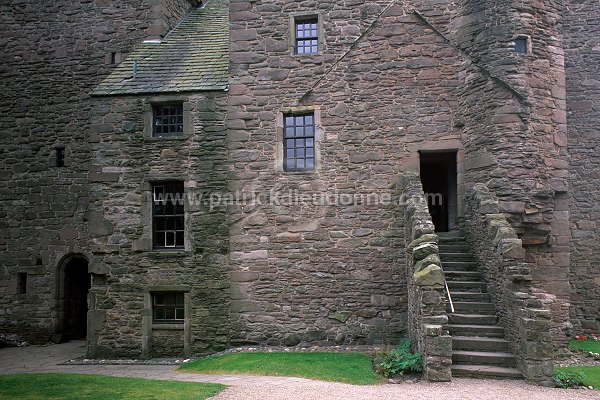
(167, 308)
(22, 283)
(60, 156)
(522, 45)
(168, 214)
(113, 57)
(168, 120)
(299, 142)
(307, 36)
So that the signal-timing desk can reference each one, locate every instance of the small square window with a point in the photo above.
(167, 120)
(522, 45)
(306, 35)
(168, 308)
(299, 142)
(168, 215)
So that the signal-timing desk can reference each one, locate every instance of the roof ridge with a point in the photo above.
(185, 18)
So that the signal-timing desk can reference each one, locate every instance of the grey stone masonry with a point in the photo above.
(53, 55)
(501, 257)
(427, 298)
(382, 87)
(127, 161)
(296, 258)
(582, 61)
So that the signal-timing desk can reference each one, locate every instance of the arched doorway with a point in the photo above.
(74, 285)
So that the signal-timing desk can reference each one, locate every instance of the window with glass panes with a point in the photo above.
(307, 35)
(522, 45)
(168, 215)
(168, 120)
(167, 308)
(299, 142)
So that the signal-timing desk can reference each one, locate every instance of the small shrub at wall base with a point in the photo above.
(566, 380)
(399, 361)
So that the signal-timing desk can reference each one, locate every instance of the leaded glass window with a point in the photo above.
(299, 142)
(307, 35)
(168, 120)
(168, 215)
(167, 307)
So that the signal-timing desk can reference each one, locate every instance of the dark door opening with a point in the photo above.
(76, 285)
(438, 175)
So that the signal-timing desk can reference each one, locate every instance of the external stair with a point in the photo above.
(479, 347)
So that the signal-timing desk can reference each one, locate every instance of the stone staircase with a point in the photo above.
(479, 349)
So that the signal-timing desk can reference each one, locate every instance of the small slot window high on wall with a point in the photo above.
(522, 45)
(306, 35)
(60, 156)
(167, 120)
(22, 283)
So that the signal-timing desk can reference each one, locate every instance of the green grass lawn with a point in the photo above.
(592, 374)
(354, 368)
(75, 387)
(585, 345)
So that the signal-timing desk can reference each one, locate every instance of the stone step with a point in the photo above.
(449, 235)
(467, 286)
(473, 276)
(454, 248)
(452, 240)
(459, 266)
(470, 296)
(476, 330)
(479, 343)
(473, 319)
(485, 371)
(501, 359)
(471, 307)
(444, 256)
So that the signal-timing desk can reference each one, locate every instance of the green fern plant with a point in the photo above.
(399, 361)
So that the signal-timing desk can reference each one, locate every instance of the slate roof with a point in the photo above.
(194, 56)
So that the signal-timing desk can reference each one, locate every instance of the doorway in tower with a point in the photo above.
(73, 287)
(439, 178)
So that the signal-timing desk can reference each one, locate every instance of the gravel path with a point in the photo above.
(459, 389)
(48, 358)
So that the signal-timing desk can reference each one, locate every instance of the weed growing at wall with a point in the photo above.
(399, 361)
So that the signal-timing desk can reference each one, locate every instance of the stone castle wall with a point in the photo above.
(388, 83)
(53, 54)
(515, 131)
(127, 161)
(580, 29)
(334, 273)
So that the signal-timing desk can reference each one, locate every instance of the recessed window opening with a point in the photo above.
(168, 120)
(22, 283)
(522, 45)
(168, 215)
(60, 156)
(168, 308)
(113, 57)
(299, 142)
(307, 35)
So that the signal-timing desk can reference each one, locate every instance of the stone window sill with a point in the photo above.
(167, 138)
(167, 327)
(160, 253)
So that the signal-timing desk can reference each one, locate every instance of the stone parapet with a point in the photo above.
(425, 279)
(501, 259)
